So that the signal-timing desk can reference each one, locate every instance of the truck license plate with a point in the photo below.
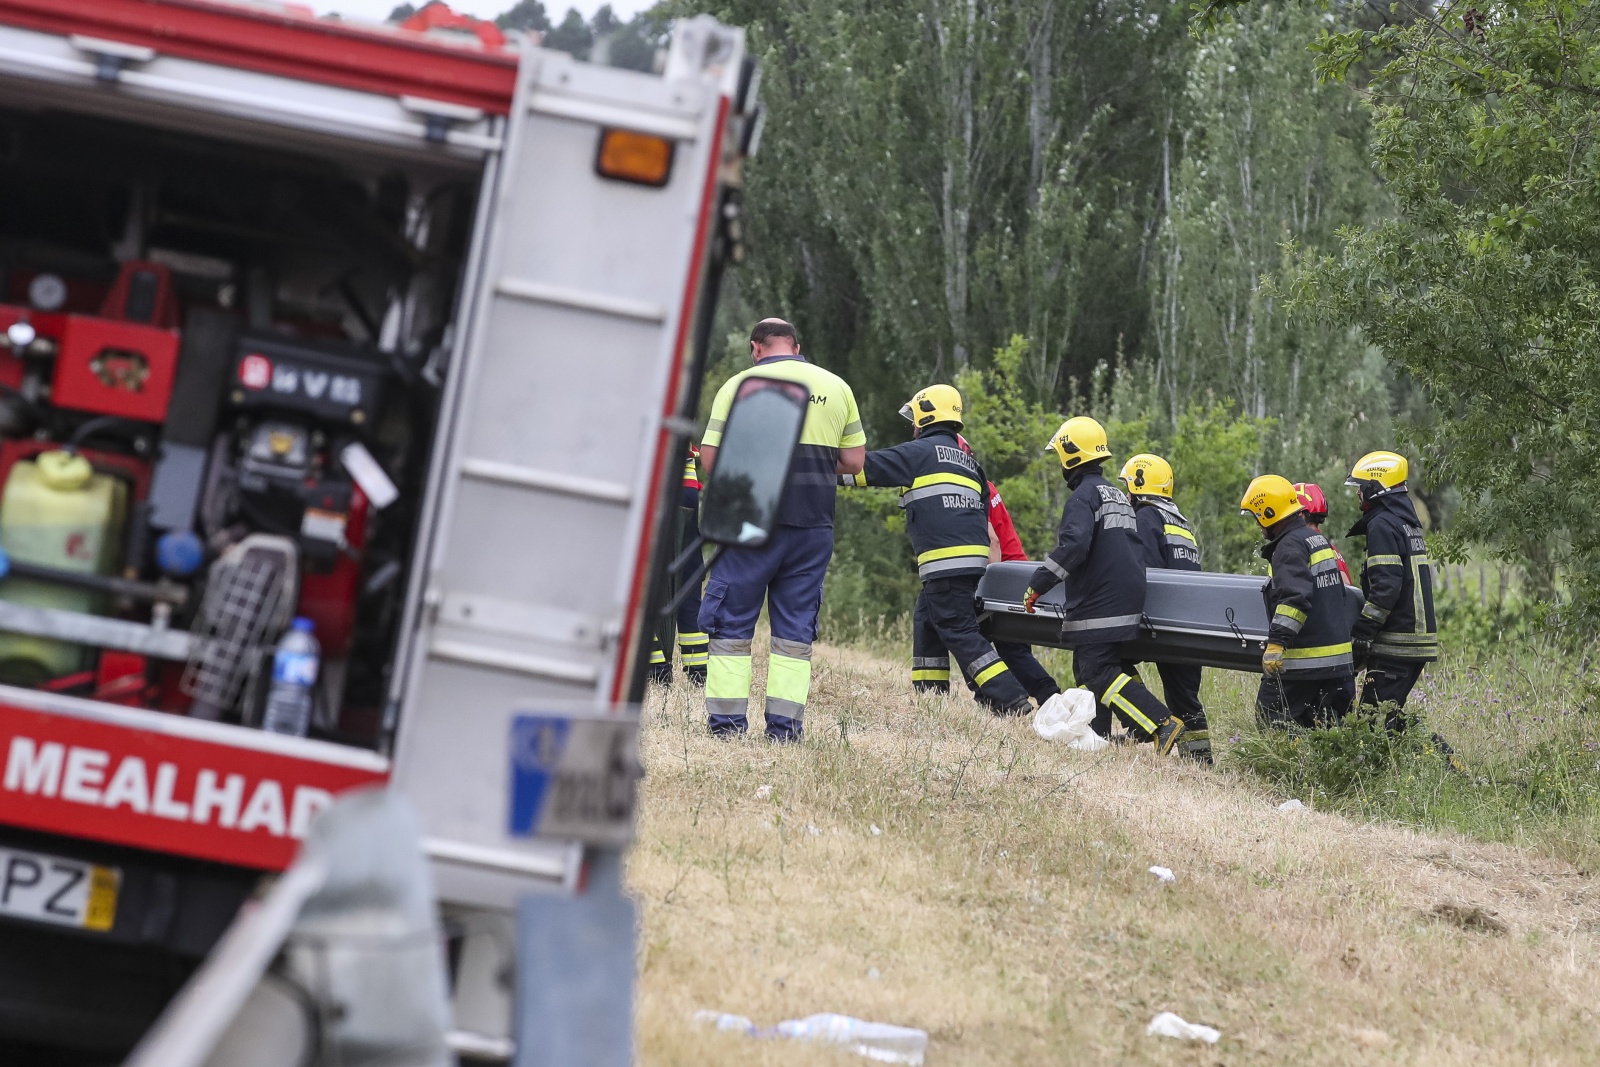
(49, 889)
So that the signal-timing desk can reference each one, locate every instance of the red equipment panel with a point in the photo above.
(115, 368)
(329, 598)
(286, 43)
(168, 784)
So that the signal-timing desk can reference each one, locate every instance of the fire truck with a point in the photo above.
(391, 334)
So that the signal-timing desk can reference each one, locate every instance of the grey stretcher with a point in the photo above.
(1194, 617)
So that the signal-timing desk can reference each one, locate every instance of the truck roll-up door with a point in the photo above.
(546, 498)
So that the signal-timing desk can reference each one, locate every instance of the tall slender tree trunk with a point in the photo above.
(958, 61)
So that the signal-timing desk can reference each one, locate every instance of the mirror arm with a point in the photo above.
(686, 555)
(693, 580)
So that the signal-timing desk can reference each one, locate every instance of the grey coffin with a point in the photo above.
(1196, 617)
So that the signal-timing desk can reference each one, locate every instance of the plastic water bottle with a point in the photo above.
(294, 676)
(876, 1041)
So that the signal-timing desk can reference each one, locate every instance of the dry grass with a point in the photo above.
(1006, 907)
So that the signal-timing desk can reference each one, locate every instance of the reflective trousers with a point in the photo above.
(930, 660)
(1309, 703)
(1390, 681)
(786, 574)
(946, 619)
(1114, 681)
(685, 622)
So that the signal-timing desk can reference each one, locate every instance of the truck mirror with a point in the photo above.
(747, 482)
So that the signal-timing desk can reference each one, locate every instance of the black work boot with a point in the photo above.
(1017, 710)
(696, 676)
(1196, 745)
(1168, 733)
(660, 674)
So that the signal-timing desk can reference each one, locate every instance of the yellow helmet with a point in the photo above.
(1080, 440)
(1269, 499)
(936, 403)
(1148, 475)
(1388, 469)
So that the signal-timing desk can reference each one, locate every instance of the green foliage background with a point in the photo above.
(1270, 238)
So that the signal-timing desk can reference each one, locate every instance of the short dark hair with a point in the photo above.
(767, 329)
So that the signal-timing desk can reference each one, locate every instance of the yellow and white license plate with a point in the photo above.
(49, 889)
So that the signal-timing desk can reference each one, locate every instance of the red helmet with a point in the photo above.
(1311, 498)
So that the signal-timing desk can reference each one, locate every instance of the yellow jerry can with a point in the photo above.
(56, 511)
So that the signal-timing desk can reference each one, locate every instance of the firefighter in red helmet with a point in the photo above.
(1316, 504)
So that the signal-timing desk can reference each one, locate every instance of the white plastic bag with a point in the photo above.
(1168, 1024)
(1066, 717)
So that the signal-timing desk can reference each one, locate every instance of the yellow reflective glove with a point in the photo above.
(1272, 659)
(1029, 599)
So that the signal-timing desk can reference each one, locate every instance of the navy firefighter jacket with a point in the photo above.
(1097, 555)
(1167, 539)
(947, 507)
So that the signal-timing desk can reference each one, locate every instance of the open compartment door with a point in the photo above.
(547, 498)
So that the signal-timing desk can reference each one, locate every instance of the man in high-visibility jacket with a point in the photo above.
(692, 643)
(1167, 542)
(930, 659)
(1097, 556)
(947, 518)
(1396, 634)
(786, 573)
(1307, 673)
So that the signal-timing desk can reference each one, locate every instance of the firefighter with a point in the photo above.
(1308, 677)
(1167, 541)
(1396, 634)
(692, 643)
(1097, 556)
(786, 573)
(947, 518)
(1312, 499)
(930, 659)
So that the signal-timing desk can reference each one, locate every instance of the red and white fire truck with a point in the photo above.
(390, 330)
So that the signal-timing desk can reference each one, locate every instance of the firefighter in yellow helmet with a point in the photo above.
(1396, 634)
(1308, 678)
(945, 496)
(1167, 542)
(1097, 556)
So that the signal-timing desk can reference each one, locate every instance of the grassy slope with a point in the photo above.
(1007, 909)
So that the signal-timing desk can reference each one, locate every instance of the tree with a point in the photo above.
(572, 36)
(941, 175)
(1266, 157)
(527, 15)
(1485, 285)
(401, 13)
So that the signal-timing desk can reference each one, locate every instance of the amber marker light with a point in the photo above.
(641, 158)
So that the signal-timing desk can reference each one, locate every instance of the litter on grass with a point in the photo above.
(1168, 1024)
(875, 831)
(1066, 717)
(1163, 875)
(764, 792)
(721, 1020)
(1291, 805)
(882, 1042)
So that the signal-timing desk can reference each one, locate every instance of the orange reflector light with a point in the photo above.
(634, 157)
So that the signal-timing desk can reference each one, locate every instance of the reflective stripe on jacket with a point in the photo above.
(1304, 596)
(1165, 536)
(1097, 555)
(1397, 580)
(944, 494)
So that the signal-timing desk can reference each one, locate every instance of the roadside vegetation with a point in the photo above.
(919, 862)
